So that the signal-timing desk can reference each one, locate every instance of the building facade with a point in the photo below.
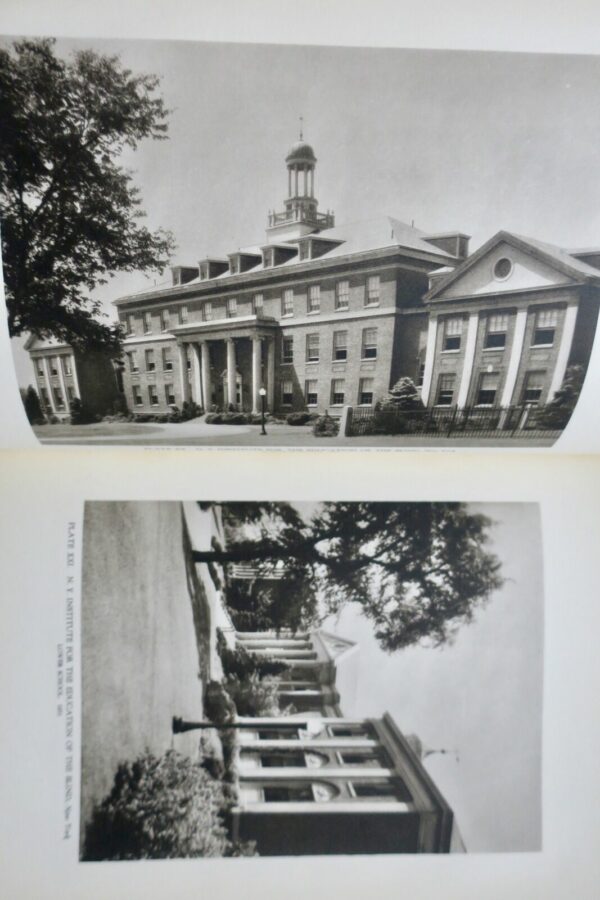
(63, 375)
(314, 781)
(319, 316)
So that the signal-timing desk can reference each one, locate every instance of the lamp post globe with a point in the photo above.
(263, 394)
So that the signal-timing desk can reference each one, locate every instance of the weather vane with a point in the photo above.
(301, 126)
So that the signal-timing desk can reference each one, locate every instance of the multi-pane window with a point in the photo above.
(257, 304)
(40, 368)
(53, 365)
(165, 319)
(70, 393)
(67, 365)
(365, 392)
(312, 347)
(169, 394)
(421, 374)
(281, 760)
(342, 295)
(374, 759)
(533, 387)
(340, 345)
(231, 307)
(488, 388)
(58, 398)
(372, 294)
(382, 790)
(152, 395)
(150, 364)
(208, 311)
(546, 321)
(369, 343)
(311, 394)
(287, 303)
(314, 298)
(445, 394)
(137, 395)
(188, 358)
(337, 392)
(130, 320)
(167, 360)
(45, 397)
(495, 335)
(452, 334)
(183, 315)
(287, 392)
(133, 361)
(147, 323)
(288, 793)
(287, 350)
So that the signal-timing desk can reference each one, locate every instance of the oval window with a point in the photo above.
(503, 268)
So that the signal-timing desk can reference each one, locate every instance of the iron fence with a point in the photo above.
(527, 422)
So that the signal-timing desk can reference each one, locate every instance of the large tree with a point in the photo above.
(418, 570)
(70, 214)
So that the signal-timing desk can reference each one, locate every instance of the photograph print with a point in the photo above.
(298, 246)
(287, 679)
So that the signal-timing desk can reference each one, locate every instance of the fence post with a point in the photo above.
(452, 420)
(346, 422)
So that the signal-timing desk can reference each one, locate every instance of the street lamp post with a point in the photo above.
(263, 394)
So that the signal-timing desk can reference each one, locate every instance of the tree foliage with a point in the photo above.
(557, 413)
(70, 214)
(33, 407)
(159, 808)
(417, 570)
(404, 395)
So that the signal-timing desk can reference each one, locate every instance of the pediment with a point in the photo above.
(335, 645)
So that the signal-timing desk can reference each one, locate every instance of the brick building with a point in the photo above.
(320, 316)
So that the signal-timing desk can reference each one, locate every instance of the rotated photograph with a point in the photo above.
(298, 246)
(295, 678)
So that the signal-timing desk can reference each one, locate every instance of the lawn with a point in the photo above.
(145, 633)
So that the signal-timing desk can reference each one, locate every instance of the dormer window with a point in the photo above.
(233, 266)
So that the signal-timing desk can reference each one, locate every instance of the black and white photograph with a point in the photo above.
(277, 245)
(310, 678)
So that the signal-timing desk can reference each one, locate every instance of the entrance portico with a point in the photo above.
(231, 360)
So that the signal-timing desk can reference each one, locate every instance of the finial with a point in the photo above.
(301, 126)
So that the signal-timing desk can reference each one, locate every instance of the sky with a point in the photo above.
(480, 696)
(453, 140)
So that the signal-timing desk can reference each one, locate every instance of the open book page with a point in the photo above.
(388, 253)
(363, 739)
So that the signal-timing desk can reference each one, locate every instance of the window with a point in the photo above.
(314, 298)
(288, 793)
(350, 731)
(342, 294)
(40, 368)
(312, 347)
(188, 358)
(287, 303)
(545, 328)
(337, 392)
(130, 323)
(365, 392)
(150, 364)
(208, 311)
(257, 304)
(495, 336)
(373, 759)
(271, 734)
(382, 790)
(165, 319)
(287, 392)
(310, 393)
(287, 350)
(133, 361)
(167, 360)
(533, 387)
(44, 396)
(421, 375)
(369, 343)
(445, 394)
(502, 269)
(281, 760)
(452, 334)
(183, 315)
(169, 395)
(70, 393)
(488, 388)
(53, 365)
(147, 323)
(340, 345)
(67, 365)
(153, 395)
(59, 400)
(372, 296)
(137, 395)
(231, 307)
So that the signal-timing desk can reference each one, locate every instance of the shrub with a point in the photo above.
(405, 395)
(218, 705)
(79, 414)
(557, 413)
(298, 418)
(33, 408)
(213, 418)
(254, 696)
(159, 808)
(240, 664)
(325, 426)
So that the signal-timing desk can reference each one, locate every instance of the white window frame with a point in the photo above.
(313, 306)
(284, 360)
(344, 295)
(361, 391)
(336, 346)
(284, 393)
(307, 392)
(147, 322)
(313, 335)
(152, 388)
(287, 303)
(338, 381)
(366, 345)
(373, 290)
(183, 315)
(165, 320)
(150, 360)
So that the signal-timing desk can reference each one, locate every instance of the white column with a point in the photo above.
(429, 359)
(332, 806)
(312, 183)
(305, 172)
(515, 358)
(63, 383)
(289, 182)
(564, 351)
(295, 181)
(49, 383)
(270, 385)
(206, 386)
(465, 379)
(230, 371)
(196, 374)
(75, 376)
(256, 374)
(304, 773)
(305, 745)
(183, 374)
